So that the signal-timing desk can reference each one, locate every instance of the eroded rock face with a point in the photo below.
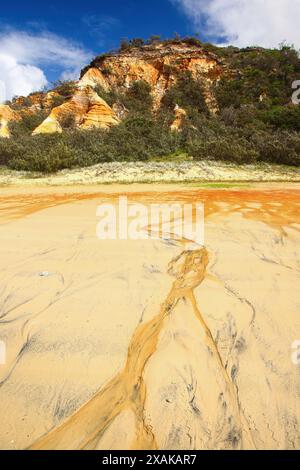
(49, 126)
(92, 78)
(159, 66)
(77, 107)
(6, 115)
(120, 110)
(100, 115)
(4, 130)
(87, 110)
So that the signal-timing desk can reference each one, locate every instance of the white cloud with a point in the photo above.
(24, 55)
(265, 23)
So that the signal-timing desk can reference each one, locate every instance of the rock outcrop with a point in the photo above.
(49, 126)
(86, 109)
(6, 115)
(93, 77)
(100, 115)
(76, 107)
(180, 115)
(159, 66)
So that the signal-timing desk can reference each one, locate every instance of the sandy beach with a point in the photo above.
(149, 344)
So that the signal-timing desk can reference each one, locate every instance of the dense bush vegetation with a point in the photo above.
(265, 74)
(110, 97)
(186, 93)
(247, 144)
(143, 138)
(137, 100)
(283, 117)
(256, 123)
(29, 122)
(127, 45)
(136, 138)
(64, 87)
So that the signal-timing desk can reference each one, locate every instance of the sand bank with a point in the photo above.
(155, 172)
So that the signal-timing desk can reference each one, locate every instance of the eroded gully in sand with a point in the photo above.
(128, 389)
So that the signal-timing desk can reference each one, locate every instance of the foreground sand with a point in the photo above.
(149, 343)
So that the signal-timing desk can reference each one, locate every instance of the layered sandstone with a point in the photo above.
(100, 115)
(159, 65)
(49, 126)
(77, 106)
(93, 77)
(85, 108)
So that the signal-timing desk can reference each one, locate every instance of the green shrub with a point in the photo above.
(278, 147)
(186, 93)
(124, 45)
(68, 121)
(217, 142)
(140, 138)
(136, 138)
(110, 97)
(138, 98)
(223, 150)
(10, 149)
(28, 123)
(284, 117)
(57, 100)
(137, 42)
(258, 72)
(64, 87)
(154, 39)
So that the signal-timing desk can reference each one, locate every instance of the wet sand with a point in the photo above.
(149, 344)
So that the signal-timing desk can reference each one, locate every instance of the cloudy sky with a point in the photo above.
(41, 42)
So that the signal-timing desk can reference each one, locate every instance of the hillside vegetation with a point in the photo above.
(256, 121)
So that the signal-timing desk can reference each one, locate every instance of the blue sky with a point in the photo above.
(41, 42)
(94, 26)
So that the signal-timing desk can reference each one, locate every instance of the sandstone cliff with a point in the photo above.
(159, 66)
(85, 110)
(100, 115)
